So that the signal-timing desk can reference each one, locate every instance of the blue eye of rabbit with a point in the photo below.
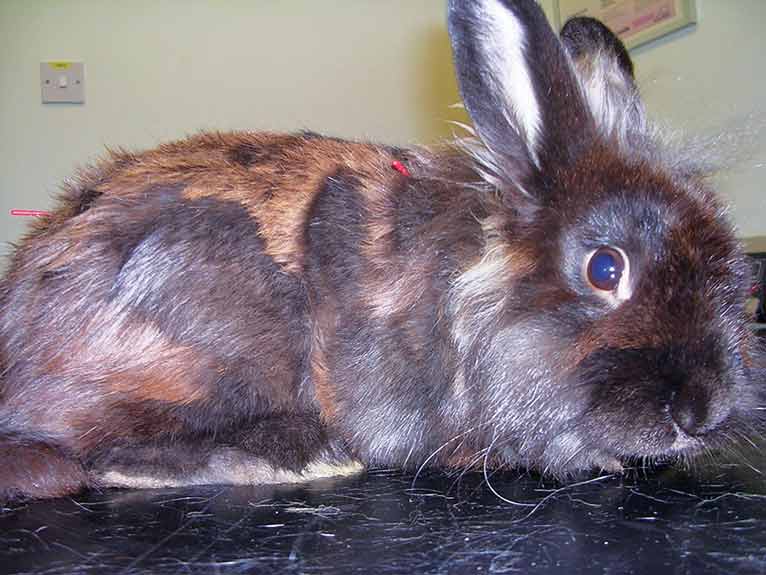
(605, 269)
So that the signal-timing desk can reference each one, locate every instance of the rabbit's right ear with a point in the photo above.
(518, 85)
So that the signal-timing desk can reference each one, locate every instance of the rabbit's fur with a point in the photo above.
(249, 307)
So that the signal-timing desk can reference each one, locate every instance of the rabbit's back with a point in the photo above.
(200, 284)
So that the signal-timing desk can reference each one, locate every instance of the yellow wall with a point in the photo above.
(160, 69)
(366, 69)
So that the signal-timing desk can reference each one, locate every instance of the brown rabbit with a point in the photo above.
(560, 293)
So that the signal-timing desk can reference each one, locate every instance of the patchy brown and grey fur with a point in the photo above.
(251, 307)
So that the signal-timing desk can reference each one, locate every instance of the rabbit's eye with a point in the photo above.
(605, 268)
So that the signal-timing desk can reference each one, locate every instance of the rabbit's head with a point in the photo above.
(605, 322)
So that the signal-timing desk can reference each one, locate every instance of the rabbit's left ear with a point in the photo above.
(605, 71)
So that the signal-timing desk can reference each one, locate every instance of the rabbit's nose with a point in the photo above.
(695, 411)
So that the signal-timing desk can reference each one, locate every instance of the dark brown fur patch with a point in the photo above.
(276, 179)
(85, 200)
(246, 156)
(323, 332)
(37, 469)
(170, 376)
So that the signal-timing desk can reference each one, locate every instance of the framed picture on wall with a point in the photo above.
(636, 22)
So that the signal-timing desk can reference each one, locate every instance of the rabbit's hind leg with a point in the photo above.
(284, 448)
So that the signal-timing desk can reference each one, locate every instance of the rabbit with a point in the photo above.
(557, 291)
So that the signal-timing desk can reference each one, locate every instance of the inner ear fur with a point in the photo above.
(606, 73)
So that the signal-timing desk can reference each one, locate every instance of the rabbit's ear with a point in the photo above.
(518, 85)
(605, 71)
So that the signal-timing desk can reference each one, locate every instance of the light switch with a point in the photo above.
(62, 82)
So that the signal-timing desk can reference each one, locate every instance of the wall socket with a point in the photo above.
(62, 82)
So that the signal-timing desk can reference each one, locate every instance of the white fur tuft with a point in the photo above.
(504, 46)
(613, 98)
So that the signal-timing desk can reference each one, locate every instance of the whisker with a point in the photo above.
(409, 454)
(746, 439)
(560, 490)
(489, 484)
(469, 466)
(436, 452)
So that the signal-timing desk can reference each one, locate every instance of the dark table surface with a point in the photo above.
(711, 520)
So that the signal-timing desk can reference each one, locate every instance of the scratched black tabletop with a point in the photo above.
(667, 521)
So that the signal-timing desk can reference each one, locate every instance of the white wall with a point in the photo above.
(377, 69)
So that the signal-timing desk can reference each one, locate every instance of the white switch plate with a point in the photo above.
(62, 81)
